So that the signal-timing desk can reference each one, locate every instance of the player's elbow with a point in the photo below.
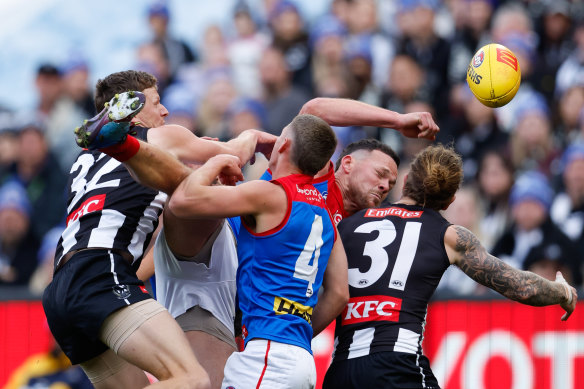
(181, 205)
(316, 107)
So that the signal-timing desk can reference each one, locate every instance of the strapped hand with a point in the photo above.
(571, 296)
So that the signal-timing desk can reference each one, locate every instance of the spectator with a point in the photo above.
(181, 107)
(494, 180)
(472, 20)
(219, 94)
(478, 133)
(8, 142)
(533, 235)
(359, 59)
(36, 168)
(244, 114)
(43, 273)
(432, 53)
(174, 50)
(76, 84)
(150, 58)
(18, 246)
(570, 106)
(282, 99)
(571, 71)
(533, 146)
(327, 40)
(466, 212)
(58, 112)
(554, 45)
(567, 209)
(245, 51)
(362, 20)
(290, 36)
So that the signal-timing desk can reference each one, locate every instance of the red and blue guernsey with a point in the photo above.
(281, 270)
(329, 189)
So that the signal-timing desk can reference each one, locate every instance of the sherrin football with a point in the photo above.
(494, 75)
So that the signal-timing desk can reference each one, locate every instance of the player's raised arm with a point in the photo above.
(465, 251)
(347, 112)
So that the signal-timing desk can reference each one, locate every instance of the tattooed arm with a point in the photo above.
(465, 251)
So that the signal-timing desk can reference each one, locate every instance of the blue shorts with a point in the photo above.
(84, 292)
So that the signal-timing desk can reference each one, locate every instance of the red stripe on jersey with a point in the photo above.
(265, 366)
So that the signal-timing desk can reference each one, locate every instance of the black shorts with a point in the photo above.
(83, 293)
(390, 370)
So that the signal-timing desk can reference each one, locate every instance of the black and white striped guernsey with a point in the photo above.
(107, 208)
(396, 258)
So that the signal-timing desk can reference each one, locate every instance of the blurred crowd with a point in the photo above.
(523, 194)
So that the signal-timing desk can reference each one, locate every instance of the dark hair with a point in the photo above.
(435, 176)
(120, 82)
(314, 143)
(368, 145)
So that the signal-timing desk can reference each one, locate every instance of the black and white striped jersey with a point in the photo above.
(107, 208)
(396, 259)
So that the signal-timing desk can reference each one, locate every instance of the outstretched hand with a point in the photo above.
(418, 125)
(572, 297)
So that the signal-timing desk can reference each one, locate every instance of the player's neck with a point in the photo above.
(407, 201)
(284, 169)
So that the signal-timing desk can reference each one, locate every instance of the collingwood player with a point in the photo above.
(397, 256)
(98, 311)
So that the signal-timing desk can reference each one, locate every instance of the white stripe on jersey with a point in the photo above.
(407, 341)
(361, 342)
(69, 238)
(146, 225)
(107, 229)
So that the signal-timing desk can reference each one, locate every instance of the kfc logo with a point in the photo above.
(371, 308)
(92, 204)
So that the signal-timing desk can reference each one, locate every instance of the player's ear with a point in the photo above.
(347, 163)
(284, 145)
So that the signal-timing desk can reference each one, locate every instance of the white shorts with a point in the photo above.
(270, 365)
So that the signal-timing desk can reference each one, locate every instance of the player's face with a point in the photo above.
(371, 178)
(153, 113)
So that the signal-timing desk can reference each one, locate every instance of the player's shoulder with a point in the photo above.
(161, 133)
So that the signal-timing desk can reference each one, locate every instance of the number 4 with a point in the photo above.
(303, 269)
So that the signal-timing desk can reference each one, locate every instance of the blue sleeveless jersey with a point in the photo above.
(281, 270)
